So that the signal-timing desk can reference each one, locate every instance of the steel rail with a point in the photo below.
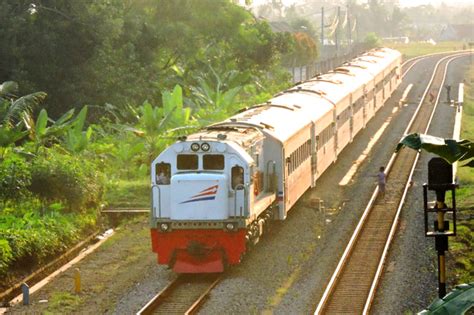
(352, 242)
(394, 226)
(184, 295)
(416, 59)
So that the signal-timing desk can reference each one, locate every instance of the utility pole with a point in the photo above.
(322, 30)
(349, 30)
(337, 29)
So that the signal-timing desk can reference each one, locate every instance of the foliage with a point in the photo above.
(123, 52)
(214, 98)
(124, 156)
(13, 110)
(27, 237)
(61, 177)
(77, 140)
(449, 149)
(306, 49)
(160, 125)
(128, 193)
(372, 40)
(187, 62)
(63, 302)
(6, 256)
(15, 177)
(461, 245)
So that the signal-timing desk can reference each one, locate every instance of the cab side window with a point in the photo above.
(163, 173)
(237, 174)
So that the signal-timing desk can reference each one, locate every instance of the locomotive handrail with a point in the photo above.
(159, 199)
(235, 199)
(270, 184)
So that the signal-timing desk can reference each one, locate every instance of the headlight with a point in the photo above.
(205, 146)
(164, 227)
(230, 226)
(195, 147)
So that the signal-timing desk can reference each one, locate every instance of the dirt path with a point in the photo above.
(122, 263)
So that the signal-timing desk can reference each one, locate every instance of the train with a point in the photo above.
(215, 192)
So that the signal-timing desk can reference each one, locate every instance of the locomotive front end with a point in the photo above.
(199, 204)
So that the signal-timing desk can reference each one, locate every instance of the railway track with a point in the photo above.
(184, 295)
(352, 286)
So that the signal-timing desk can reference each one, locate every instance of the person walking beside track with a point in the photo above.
(381, 181)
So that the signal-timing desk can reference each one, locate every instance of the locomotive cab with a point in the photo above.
(190, 184)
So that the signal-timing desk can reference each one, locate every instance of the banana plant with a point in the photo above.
(76, 139)
(161, 124)
(67, 128)
(40, 133)
(124, 154)
(215, 95)
(13, 110)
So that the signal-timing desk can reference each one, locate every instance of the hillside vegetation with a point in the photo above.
(92, 91)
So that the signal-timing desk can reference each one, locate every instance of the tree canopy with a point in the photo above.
(120, 52)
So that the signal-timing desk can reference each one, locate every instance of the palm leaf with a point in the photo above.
(8, 88)
(23, 104)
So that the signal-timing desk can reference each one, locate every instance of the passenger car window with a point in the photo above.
(213, 162)
(187, 162)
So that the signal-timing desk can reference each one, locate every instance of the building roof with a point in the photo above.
(458, 32)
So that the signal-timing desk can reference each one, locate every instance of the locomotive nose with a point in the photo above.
(199, 196)
(197, 249)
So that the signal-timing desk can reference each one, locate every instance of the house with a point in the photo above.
(461, 32)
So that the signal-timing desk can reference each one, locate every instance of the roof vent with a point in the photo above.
(266, 125)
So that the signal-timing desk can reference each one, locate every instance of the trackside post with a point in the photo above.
(25, 289)
(77, 281)
(440, 180)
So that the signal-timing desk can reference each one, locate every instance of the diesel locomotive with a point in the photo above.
(214, 192)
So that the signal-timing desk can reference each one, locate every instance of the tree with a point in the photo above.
(125, 52)
(372, 40)
(306, 50)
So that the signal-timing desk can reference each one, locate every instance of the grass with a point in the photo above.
(63, 302)
(461, 245)
(128, 193)
(414, 49)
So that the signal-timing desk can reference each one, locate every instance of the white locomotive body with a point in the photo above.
(214, 192)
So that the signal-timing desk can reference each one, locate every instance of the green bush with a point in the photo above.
(30, 237)
(66, 178)
(15, 177)
(6, 255)
(372, 40)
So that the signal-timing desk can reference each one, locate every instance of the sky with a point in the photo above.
(403, 3)
(410, 3)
